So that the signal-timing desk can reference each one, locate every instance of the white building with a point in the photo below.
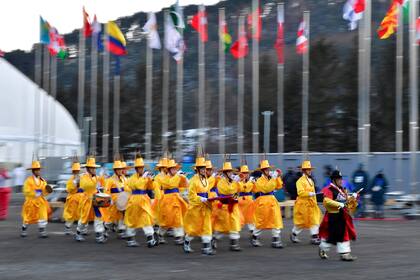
(28, 114)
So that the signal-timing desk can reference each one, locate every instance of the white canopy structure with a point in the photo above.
(26, 120)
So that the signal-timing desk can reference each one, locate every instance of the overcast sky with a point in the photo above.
(19, 19)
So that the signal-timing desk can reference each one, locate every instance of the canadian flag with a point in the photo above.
(302, 39)
(199, 23)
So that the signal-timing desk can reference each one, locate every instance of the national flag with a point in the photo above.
(151, 28)
(225, 37)
(87, 28)
(302, 39)
(177, 16)
(405, 4)
(116, 41)
(279, 45)
(418, 30)
(44, 31)
(390, 22)
(174, 42)
(57, 47)
(353, 12)
(239, 49)
(199, 23)
(257, 32)
(2, 53)
(97, 31)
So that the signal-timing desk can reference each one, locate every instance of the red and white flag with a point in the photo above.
(418, 30)
(302, 39)
(353, 12)
(199, 23)
(240, 48)
(279, 45)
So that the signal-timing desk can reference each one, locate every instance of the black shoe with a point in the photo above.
(214, 243)
(322, 254)
(100, 238)
(234, 245)
(255, 242)
(161, 239)
(151, 241)
(347, 257)
(131, 242)
(179, 240)
(43, 233)
(276, 243)
(207, 250)
(294, 238)
(24, 232)
(315, 240)
(187, 247)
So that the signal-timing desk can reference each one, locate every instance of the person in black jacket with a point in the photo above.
(289, 181)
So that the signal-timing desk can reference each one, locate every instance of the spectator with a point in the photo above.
(289, 181)
(360, 181)
(4, 175)
(18, 175)
(378, 189)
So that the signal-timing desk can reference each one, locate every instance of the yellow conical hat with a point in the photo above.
(75, 166)
(118, 165)
(139, 162)
(244, 169)
(264, 164)
(200, 162)
(209, 165)
(35, 165)
(306, 164)
(172, 163)
(227, 166)
(163, 162)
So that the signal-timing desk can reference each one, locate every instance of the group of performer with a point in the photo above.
(209, 205)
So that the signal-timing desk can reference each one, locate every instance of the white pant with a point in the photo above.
(204, 238)
(251, 227)
(178, 232)
(98, 226)
(41, 224)
(342, 247)
(232, 235)
(148, 231)
(68, 223)
(121, 225)
(274, 232)
(314, 230)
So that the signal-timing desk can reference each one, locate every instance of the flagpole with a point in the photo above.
(46, 100)
(93, 90)
(37, 103)
(54, 97)
(222, 89)
(201, 81)
(149, 88)
(305, 86)
(241, 88)
(255, 78)
(165, 91)
(105, 110)
(116, 125)
(81, 85)
(179, 104)
(413, 49)
(367, 66)
(280, 95)
(398, 97)
(360, 89)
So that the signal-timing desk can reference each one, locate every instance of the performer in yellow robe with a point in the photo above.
(172, 206)
(89, 185)
(139, 207)
(114, 186)
(71, 211)
(267, 210)
(227, 217)
(35, 208)
(158, 180)
(306, 213)
(246, 200)
(197, 220)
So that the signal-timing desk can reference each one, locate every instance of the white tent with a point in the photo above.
(19, 97)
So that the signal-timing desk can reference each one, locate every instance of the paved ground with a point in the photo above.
(386, 250)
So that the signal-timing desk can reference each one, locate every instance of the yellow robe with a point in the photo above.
(246, 202)
(226, 220)
(88, 184)
(71, 207)
(34, 208)
(306, 212)
(197, 220)
(172, 206)
(267, 209)
(139, 209)
(157, 188)
(113, 186)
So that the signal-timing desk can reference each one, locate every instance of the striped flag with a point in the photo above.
(226, 38)
(390, 22)
(279, 45)
(302, 39)
(116, 40)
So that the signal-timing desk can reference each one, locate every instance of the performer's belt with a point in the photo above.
(262, 193)
(98, 213)
(203, 194)
(245, 193)
(214, 189)
(79, 190)
(176, 190)
(115, 190)
(139, 192)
